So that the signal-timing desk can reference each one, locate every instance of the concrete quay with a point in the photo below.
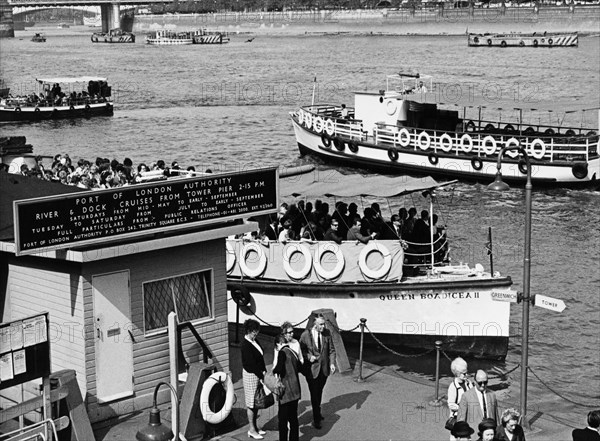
(386, 405)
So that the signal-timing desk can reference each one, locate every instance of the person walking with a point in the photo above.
(509, 429)
(486, 430)
(253, 372)
(286, 366)
(591, 432)
(460, 384)
(479, 402)
(319, 354)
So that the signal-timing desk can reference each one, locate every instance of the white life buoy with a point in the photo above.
(230, 256)
(329, 247)
(537, 154)
(509, 143)
(318, 124)
(307, 120)
(390, 107)
(289, 251)
(387, 261)
(220, 415)
(300, 115)
(329, 127)
(464, 140)
(262, 260)
(404, 137)
(423, 140)
(491, 149)
(446, 142)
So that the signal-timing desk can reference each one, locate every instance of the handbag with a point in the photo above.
(450, 422)
(274, 384)
(261, 399)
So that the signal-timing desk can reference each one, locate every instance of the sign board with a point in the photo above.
(508, 295)
(90, 217)
(24, 350)
(549, 303)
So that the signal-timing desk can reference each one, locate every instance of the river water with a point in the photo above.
(226, 107)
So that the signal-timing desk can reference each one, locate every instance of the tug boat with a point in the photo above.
(406, 305)
(113, 36)
(79, 97)
(411, 129)
(38, 38)
(525, 40)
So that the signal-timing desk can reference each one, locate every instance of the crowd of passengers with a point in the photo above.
(103, 173)
(97, 91)
(304, 222)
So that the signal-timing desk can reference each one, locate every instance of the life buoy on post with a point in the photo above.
(380, 273)
(404, 137)
(466, 143)
(289, 251)
(217, 416)
(537, 154)
(322, 249)
(262, 260)
(491, 149)
(424, 140)
(446, 142)
(476, 163)
(230, 257)
(393, 154)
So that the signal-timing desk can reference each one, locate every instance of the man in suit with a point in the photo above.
(318, 352)
(478, 402)
(591, 432)
(271, 231)
(392, 230)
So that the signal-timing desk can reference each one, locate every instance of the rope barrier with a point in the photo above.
(276, 326)
(394, 352)
(337, 328)
(558, 394)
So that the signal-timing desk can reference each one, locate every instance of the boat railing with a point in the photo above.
(330, 121)
(495, 127)
(542, 148)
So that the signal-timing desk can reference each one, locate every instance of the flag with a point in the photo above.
(488, 244)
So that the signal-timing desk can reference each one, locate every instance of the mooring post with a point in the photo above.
(360, 355)
(437, 401)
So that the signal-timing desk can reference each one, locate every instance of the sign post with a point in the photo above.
(549, 303)
(507, 295)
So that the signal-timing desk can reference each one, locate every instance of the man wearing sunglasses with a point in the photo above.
(479, 402)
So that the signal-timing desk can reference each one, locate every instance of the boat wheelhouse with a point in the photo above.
(60, 98)
(113, 36)
(411, 129)
(407, 300)
(542, 39)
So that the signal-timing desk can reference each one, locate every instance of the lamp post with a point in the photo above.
(499, 185)
(155, 431)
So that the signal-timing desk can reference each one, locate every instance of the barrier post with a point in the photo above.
(437, 401)
(237, 323)
(360, 378)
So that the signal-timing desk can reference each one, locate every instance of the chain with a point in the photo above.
(561, 396)
(391, 350)
(276, 326)
(337, 328)
(446, 355)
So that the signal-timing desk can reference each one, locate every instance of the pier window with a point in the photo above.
(189, 295)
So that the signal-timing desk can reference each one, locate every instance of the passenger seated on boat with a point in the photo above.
(354, 233)
(409, 224)
(332, 233)
(308, 232)
(369, 223)
(286, 233)
(272, 230)
(392, 230)
(344, 112)
(340, 214)
(421, 87)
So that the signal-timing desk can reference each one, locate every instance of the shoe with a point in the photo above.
(261, 432)
(317, 425)
(252, 435)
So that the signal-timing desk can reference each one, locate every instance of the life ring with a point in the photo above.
(489, 41)
(492, 145)
(537, 154)
(17, 109)
(503, 43)
(37, 109)
(230, 257)
(522, 166)
(326, 141)
(489, 128)
(476, 163)
(220, 415)
(570, 132)
(404, 137)
(380, 273)
(262, 260)
(329, 127)
(391, 107)
(433, 158)
(323, 248)
(529, 131)
(318, 124)
(446, 142)
(509, 143)
(339, 144)
(289, 251)
(463, 143)
(87, 107)
(240, 295)
(300, 115)
(393, 154)
(521, 43)
(71, 107)
(424, 140)
(509, 128)
(476, 40)
(550, 41)
(353, 146)
(535, 43)
(308, 120)
(580, 170)
(549, 132)
(470, 125)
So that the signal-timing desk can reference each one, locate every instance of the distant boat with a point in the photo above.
(38, 38)
(202, 36)
(113, 36)
(545, 39)
(63, 26)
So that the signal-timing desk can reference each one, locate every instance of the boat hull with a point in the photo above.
(28, 113)
(104, 38)
(404, 313)
(438, 163)
(524, 40)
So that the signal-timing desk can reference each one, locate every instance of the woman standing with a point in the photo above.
(487, 430)
(460, 384)
(253, 372)
(510, 430)
(286, 367)
(287, 330)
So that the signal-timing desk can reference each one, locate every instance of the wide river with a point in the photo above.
(226, 107)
